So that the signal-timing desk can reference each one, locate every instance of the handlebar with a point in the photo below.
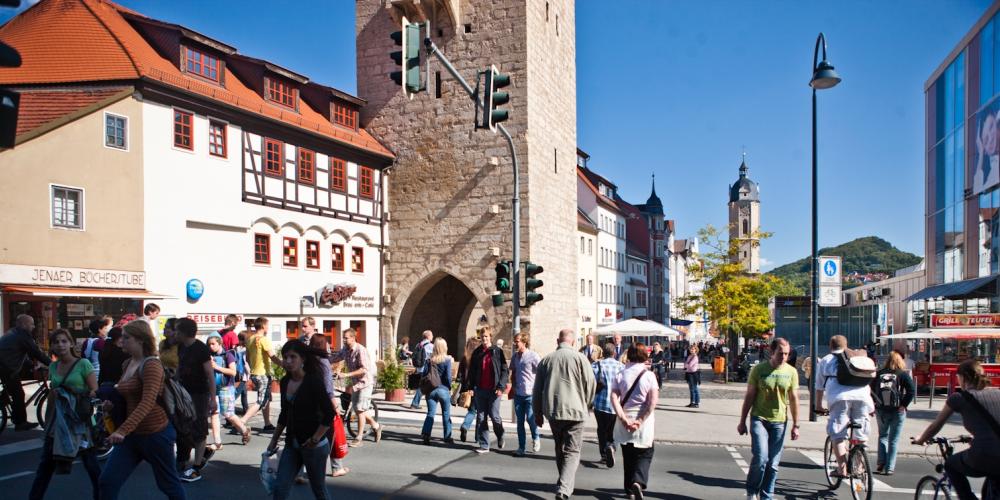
(944, 441)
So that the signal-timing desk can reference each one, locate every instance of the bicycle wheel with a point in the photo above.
(862, 480)
(830, 465)
(40, 408)
(926, 486)
(351, 422)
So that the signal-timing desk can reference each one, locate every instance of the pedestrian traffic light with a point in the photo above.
(504, 275)
(531, 283)
(493, 97)
(408, 57)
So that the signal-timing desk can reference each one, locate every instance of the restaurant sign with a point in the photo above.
(965, 320)
(331, 295)
(13, 274)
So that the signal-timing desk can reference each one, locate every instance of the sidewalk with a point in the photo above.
(713, 424)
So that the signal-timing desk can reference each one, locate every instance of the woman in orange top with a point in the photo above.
(147, 433)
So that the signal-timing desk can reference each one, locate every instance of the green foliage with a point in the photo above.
(393, 375)
(277, 371)
(870, 254)
(734, 300)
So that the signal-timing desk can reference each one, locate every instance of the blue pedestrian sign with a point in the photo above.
(830, 268)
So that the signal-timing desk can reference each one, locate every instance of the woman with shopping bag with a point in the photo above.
(633, 397)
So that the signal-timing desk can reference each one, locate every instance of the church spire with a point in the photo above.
(744, 169)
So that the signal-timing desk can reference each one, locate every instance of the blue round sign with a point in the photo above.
(195, 289)
(830, 268)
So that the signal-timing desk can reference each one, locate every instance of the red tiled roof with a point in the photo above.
(39, 107)
(73, 41)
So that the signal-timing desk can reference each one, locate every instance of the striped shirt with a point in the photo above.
(145, 416)
(605, 372)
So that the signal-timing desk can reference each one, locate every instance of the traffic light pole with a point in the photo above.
(515, 202)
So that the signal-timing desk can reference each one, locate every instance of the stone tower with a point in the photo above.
(744, 220)
(450, 189)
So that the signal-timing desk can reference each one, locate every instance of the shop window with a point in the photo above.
(332, 333)
(365, 183)
(312, 254)
(282, 92)
(338, 175)
(357, 259)
(202, 64)
(290, 252)
(307, 166)
(182, 129)
(337, 257)
(67, 207)
(217, 139)
(261, 249)
(359, 331)
(274, 157)
(115, 131)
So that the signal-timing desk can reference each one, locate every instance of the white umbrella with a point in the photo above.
(635, 326)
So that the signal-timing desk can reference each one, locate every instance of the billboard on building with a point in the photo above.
(987, 143)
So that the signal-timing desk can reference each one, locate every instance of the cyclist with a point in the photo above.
(15, 347)
(979, 406)
(848, 402)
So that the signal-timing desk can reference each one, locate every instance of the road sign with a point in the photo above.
(829, 271)
(829, 296)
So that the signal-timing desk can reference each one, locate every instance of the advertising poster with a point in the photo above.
(987, 167)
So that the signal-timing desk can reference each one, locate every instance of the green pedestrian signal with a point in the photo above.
(493, 97)
(532, 283)
(408, 57)
(504, 271)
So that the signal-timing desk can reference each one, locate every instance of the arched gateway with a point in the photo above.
(444, 305)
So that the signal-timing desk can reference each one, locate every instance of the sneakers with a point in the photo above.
(635, 491)
(268, 428)
(519, 452)
(378, 433)
(609, 457)
(426, 438)
(501, 442)
(464, 433)
(449, 440)
(190, 476)
(751, 497)
(536, 445)
(482, 451)
(27, 426)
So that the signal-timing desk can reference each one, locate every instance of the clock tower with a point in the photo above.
(744, 220)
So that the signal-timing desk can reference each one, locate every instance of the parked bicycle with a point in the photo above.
(859, 471)
(940, 486)
(37, 398)
(348, 414)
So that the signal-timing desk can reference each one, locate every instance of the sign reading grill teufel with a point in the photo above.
(965, 320)
(11, 274)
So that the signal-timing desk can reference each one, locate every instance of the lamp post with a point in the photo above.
(823, 77)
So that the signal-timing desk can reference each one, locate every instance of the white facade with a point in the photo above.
(587, 278)
(636, 288)
(199, 226)
(683, 284)
(609, 252)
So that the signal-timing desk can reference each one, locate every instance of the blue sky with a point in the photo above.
(679, 88)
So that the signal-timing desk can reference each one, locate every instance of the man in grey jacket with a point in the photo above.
(564, 387)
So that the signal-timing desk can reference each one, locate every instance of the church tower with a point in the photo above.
(744, 220)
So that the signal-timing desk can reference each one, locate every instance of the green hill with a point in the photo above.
(870, 256)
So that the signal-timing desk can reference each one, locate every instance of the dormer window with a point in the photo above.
(282, 92)
(345, 115)
(202, 64)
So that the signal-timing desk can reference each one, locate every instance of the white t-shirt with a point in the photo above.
(826, 379)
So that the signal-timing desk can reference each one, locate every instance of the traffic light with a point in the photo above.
(493, 97)
(504, 273)
(9, 101)
(531, 283)
(408, 57)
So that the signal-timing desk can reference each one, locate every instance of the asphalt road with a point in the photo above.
(401, 467)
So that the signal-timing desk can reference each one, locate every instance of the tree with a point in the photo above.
(734, 300)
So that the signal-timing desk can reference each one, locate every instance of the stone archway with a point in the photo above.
(442, 304)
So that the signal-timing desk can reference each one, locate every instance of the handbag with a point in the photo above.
(465, 399)
(641, 437)
(339, 448)
(430, 380)
(269, 469)
(601, 385)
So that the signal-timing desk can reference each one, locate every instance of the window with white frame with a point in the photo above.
(67, 207)
(115, 130)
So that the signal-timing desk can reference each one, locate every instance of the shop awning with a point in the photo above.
(107, 293)
(947, 333)
(680, 322)
(977, 287)
(636, 282)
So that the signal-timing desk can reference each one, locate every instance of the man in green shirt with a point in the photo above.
(771, 393)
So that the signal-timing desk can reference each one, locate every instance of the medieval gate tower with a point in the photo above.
(450, 189)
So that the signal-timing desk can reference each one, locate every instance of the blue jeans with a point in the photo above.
(487, 408)
(470, 418)
(440, 396)
(293, 457)
(767, 442)
(157, 449)
(47, 467)
(416, 398)
(693, 390)
(890, 424)
(524, 411)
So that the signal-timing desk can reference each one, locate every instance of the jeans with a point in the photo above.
(636, 462)
(48, 466)
(970, 463)
(890, 423)
(293, 457)
(693, 388)
(470, 417)
(605, 431)
(157, 449)
(416, 398)
(524, 411)
(767, 442)
(440, 396)
(568, 437)
(241, 393)
(487, 408)
(12, 386)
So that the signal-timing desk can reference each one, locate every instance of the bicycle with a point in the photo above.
(861, 480)
(100, 431)
(38, 398)
(349, 416)
(941, 486)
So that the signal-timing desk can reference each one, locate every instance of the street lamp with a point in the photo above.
(823, 77)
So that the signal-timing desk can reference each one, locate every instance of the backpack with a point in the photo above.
(885, 390)
(855, 368)
(419, 356)
(176, 401)
(430, 380)
(241, 364)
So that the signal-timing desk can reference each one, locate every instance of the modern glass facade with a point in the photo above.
(948, 154)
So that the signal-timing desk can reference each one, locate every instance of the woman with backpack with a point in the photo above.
(892, 390)
(147, 433)
(74, 379)
(224, 365)
(439, 364)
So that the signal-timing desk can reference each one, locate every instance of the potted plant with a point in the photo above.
(392, 378)
(277, 373)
